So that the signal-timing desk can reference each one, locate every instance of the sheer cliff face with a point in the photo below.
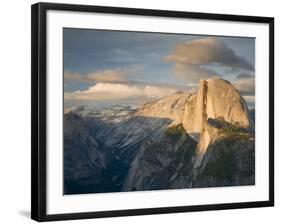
(216, 98)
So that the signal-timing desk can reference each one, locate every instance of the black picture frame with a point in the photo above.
(39, 122)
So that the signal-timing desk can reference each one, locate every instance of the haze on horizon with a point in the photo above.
(103, 68)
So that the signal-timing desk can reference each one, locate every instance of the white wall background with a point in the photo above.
(15, 110)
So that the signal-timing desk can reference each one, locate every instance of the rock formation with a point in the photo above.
(216, 98)
(215, 115)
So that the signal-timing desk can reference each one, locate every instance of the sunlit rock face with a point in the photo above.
(216, 98)
(223, 100)
(170, 107)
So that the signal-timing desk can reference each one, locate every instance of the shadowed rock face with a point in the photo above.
(83, 162)
(180, 141)
(158, 162)
(229, 161)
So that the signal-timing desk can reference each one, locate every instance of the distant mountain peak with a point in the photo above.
(72, 115)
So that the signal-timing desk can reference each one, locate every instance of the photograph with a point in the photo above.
(147, 111)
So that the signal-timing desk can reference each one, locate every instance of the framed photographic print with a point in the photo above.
(139, 111)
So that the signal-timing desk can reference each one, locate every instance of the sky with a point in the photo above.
(103, 68)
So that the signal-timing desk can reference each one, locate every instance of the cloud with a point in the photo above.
(118, 91)
(192, 73)
(195, 56)
(109, 75)
(244, 76)
(207, 51)
(119, 75)
(245, 86)
(69, 77)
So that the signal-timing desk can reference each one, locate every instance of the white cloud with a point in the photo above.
(119, 91)
(118, 75)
